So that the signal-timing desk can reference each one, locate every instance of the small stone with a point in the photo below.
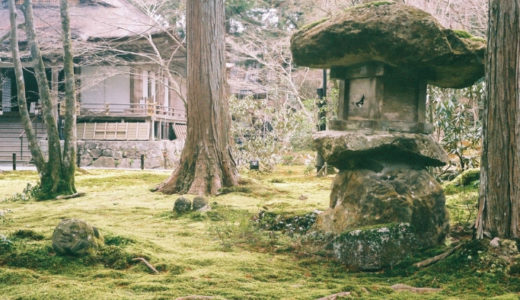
(199, 202)
(495, 243)
(96, 153)
(303, 197)
(182, 205)
(76, 237)
(336, 296)
(107, 152)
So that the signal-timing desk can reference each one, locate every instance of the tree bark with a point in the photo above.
(500, 166)
(69, 146)
(206, 163)
(36, 152)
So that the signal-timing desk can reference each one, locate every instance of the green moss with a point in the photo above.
(314, 24)
(462, 34)
(466, 35)
(477, 39)
(468, 178)
(259, 264)
(371, 4)
(115, 240)
(27, 234)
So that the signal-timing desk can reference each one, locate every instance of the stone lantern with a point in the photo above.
(384, 204)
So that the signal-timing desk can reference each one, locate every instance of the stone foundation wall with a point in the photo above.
(127, 154)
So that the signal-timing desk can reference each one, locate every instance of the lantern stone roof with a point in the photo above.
(398, 35)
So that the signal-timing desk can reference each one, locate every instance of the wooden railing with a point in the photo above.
(131, 109)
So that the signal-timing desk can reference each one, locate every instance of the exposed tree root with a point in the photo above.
(75, 195)
(437, 258)
(407, 288)
(149, 265)
(335, 296)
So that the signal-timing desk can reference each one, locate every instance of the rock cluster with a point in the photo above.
(183, 205)
(127, 154)
(76, 237)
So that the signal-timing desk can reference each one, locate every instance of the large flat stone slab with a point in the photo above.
(366, 149)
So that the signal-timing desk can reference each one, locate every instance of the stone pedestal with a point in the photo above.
(384, 204)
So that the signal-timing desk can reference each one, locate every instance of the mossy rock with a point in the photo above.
(361, 198)
(398, 35)
(375, 247)
(182, 205)
(76, 237)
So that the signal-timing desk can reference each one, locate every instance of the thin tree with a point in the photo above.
(57, 173)
(499, 213)
(206, 163)
(69, 145)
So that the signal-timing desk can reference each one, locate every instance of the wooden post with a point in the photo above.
(142, 161)
(14, 161)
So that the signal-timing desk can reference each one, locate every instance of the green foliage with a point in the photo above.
(237, 7)
(462, 198)
(267, 131)
(456, 121)
(30, 192)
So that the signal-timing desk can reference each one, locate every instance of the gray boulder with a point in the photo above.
(361, 198)
(76, 237)
(182, 205)
(397, 35)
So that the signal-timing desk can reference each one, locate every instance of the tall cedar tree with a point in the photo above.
(206, 163)
(499, 213)
(57, 173)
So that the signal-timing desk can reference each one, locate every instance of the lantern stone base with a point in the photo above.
(375, 247)
(383, 180)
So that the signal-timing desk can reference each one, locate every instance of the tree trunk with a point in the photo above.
(500, 166)
(20, 86)
(69, 147)
(50, 177)
(56, 175)
(206, 163)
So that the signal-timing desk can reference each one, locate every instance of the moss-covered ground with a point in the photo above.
(218, 253)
